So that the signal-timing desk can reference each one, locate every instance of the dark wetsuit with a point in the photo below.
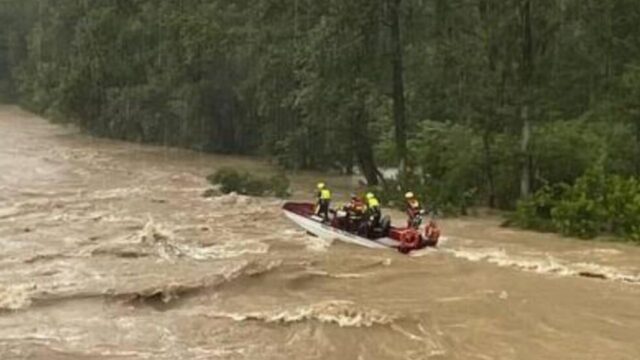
(324, 201)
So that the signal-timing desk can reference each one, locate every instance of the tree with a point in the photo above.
(398, 82)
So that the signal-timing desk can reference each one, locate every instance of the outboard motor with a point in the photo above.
(385, 225)
(340, 219)
(382, 229)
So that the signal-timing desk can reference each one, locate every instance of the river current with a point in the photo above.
(109, 251)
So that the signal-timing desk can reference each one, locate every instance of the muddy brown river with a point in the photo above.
(109, 251)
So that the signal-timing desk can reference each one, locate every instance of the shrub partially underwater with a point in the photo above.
(231, 180)
(597, 204)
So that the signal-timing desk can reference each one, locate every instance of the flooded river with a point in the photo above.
(109, 251)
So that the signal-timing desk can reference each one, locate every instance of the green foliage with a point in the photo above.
(310, 85)
(564, 150)
(582, 211)
(623, 207)
(231, 180)
(279, 185)
(448, 163)
(536, 212)
(598, 203)
(392, 194)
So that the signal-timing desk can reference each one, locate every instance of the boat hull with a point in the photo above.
(304, 215)
(330, 233)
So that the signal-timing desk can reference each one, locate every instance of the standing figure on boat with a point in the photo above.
(373, 210)
(323, 203)
(414, 211)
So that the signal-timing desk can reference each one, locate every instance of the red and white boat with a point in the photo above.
(404, 239)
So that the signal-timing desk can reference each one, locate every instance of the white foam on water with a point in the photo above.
(230, 199)
(336, 276)
(118, 193)
(15, 297)
(170, 247)
(317, 244)
(443, 241)
(312, 243)
(596, 252)
(338, 312)
(423, 252)
(545, 265)
(431, 346)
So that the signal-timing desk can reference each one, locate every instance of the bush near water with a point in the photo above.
(597, 204)
(231, 180)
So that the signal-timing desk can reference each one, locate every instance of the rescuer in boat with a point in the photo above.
(373, 210)
(414, 210)
(323, 201)
(355, 210)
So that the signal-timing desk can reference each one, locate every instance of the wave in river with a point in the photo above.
(169, 292)
(546, 265)
(156, 239)
(341, 313)
(152, 290)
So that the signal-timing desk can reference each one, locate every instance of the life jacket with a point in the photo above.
(413, 204)
(373, 203)
(324, 194)
(413, 208)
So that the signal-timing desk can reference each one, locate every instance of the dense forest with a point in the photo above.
(527, 104)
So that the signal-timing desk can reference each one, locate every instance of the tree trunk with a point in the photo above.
(525, 179)
(526, 75)
(486, 142)
(638, 145)
(398, 84)
(363, 149)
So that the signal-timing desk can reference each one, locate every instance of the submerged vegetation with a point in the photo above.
(231, 180)
(524, 104)
(597, 204)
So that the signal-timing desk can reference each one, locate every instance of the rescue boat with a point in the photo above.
(386, 236)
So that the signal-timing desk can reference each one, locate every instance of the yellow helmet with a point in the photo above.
(409, 195)
(370, 196)
(321, 185)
